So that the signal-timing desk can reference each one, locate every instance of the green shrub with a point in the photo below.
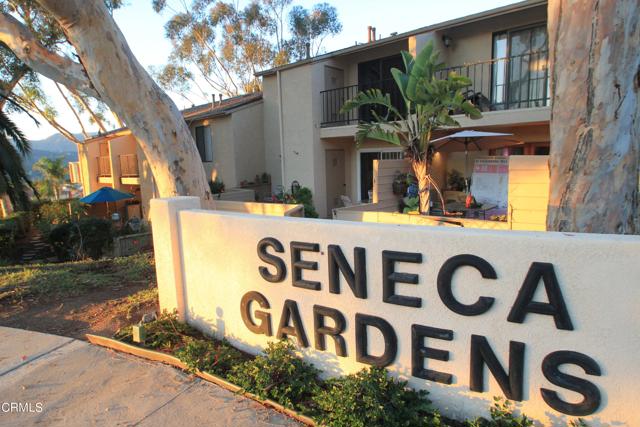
(279, 375)
(166, 333)
(502, 416)
(216, 186)
(8, 249)
(13, 228)
(52, 213)
(209, 356)
(21, 221)
(87, 237)
(304, 197)
(371, 398)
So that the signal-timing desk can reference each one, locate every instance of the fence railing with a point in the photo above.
(513, 82)
(132, 244)
(104, 166)
(129, 165)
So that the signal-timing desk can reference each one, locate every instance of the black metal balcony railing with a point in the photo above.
(129, 165)
(499, 84)
(104, 166)
(334, 99)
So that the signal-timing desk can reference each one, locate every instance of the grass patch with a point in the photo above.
(74, 278)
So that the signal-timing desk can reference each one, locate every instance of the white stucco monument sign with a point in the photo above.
(548, 320)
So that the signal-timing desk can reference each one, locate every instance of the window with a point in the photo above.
(203, 143)
(520, 71)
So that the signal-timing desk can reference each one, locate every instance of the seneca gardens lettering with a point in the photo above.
(427, 342)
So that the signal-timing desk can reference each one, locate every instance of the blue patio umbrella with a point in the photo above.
(106, 195)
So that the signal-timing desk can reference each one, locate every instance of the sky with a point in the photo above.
(143, 29)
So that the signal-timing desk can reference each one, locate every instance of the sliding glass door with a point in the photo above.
(520, 70)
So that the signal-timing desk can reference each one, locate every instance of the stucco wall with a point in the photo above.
(271, 128)
(248, 142)
(206, 262)
(87, 155)
(528, 192)
(118, 146)
(473, 42)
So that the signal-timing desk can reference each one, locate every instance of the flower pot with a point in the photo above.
(399, 187)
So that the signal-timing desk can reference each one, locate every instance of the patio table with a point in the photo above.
(460, 207)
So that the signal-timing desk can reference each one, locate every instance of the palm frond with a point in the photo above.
(377, 132)
(8, 127)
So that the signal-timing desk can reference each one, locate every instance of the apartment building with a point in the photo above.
(503, 51)
(228, 136)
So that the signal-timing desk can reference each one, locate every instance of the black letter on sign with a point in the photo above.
(556, 306)
(390, 277)
(290, 313)
(277, 262)
(444, 284)
(481, 354)
(319, 313)
(297, 265)
(419, 352)
(390, 341)
(264, 327)
(338, 264)
(588, 390)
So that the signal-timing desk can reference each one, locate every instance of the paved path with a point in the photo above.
(79, 384)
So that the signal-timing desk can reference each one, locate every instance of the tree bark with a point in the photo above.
(421, 170)
(58, 68)
(595, 122)
(124, 85)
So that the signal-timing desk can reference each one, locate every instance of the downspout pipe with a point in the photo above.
(281, 126)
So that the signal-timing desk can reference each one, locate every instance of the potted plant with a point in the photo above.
(400, 184)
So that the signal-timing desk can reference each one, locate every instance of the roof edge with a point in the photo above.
(487, 14)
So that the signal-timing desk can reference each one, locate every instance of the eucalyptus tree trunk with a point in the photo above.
(109, 71)
(421, 170)
(595, 122)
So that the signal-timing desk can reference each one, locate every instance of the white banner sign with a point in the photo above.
(490, 181)
(546, 319)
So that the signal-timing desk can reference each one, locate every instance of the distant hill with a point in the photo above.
(54, 146)
(55, 143)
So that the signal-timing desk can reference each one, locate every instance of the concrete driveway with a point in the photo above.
(56, 381)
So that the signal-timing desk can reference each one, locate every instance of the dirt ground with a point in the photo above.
(102, 311)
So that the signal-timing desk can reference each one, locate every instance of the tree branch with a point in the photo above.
(58, 68)
(73, 110)
(87, 107)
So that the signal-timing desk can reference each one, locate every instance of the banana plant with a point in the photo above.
(428, 103)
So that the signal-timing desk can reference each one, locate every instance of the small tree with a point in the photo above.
(428, 103)
(54, 174)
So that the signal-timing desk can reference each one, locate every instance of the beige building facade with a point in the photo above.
(503, 51)
(228, 136)
(294, 130)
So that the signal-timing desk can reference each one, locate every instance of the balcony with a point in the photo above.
(129, 165)
(104, 166)
(500, 84)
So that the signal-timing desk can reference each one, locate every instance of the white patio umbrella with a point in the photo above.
(467, 137)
